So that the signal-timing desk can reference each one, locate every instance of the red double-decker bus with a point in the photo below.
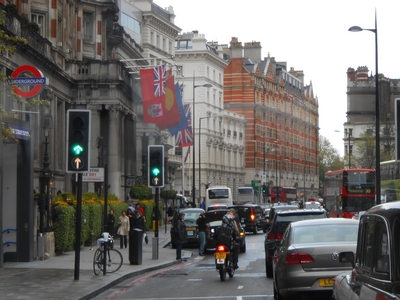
(283, 194)
(349, 191)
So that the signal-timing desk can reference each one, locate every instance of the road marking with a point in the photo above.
(240, 287)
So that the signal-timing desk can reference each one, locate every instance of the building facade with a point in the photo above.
(281, 136)
(218, 133)
(361, 97)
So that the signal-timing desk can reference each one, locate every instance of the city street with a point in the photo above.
(198, 279)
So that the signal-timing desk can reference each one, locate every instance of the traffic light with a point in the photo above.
(156, 166)
(265, 190)
(78, 140)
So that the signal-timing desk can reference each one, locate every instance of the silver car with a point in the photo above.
(307, 258)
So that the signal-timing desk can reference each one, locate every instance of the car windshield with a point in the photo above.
(191, 217)
(215, 216)
(325, 233)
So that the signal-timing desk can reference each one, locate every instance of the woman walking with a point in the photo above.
(123, 229)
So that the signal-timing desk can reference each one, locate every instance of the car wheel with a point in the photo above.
(243, 248)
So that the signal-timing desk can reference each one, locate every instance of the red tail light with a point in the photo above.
(221, 248)
(273, 236)
(297, 259)
(252, 217)
(347, 215)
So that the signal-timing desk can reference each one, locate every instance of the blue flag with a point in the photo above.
(183, 123)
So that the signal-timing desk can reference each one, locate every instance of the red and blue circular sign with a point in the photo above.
(37, 81)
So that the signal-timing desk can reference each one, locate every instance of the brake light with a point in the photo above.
(252, 217)
(298, 259)
(241, 233)
(347, 215)
(273, 236)
(221, 248)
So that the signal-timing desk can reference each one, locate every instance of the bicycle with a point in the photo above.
(114, 257)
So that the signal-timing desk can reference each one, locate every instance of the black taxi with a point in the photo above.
(376, 265)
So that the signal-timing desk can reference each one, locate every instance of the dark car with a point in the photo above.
(191, 215)
(278, 226)
(271, 213)
(251, 217)
(267, 222)
(307, 258)
(214, 220)
(376, 265)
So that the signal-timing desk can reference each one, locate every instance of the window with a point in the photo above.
(40, 20)
(88, 26)
(365, 252)
(130, 23)
(382, 257)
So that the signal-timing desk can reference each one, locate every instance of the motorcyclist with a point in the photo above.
(230, 221)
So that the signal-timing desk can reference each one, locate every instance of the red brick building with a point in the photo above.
(282, 118)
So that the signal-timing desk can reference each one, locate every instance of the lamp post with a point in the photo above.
(193, 133)
(348, 133)
(377, 127)
(200, 156)
(45, 176)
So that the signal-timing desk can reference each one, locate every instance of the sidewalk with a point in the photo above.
(53, 278)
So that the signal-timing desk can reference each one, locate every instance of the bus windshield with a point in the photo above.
(359, 178)
(218, 193)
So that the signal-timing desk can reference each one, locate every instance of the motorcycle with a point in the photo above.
(224, 262)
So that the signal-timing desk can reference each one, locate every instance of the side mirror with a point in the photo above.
(347, 257)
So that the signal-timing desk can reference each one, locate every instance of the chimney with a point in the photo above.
(253, 51)
(236, 49)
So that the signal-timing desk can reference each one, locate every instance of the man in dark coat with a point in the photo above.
(180, 235)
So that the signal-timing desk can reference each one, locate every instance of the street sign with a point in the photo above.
(37, 81)
(95, 174)
(255, 184)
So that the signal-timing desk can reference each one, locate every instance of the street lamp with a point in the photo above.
(200, 156)
(45, 176)
(377, 128)
(193, 133)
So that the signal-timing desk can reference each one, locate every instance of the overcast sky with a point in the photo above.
(310, 35)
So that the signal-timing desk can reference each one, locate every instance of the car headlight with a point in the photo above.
(212, 230)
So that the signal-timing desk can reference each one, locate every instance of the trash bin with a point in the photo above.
(135, 246)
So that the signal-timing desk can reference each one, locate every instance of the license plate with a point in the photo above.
(190, 233)
(220, 255)
(326, 282)
(190, 228)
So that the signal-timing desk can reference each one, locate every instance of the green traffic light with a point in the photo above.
(77, 149)
(155, 171)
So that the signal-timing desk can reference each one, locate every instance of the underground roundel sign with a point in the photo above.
(37, 81)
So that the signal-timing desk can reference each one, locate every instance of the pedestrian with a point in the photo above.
(110, 222)
(139, 207)
(203, 205)
(170, 212)
(202, 227)
(138, 223)
(180, 235)
(123, 229)
(131, 211)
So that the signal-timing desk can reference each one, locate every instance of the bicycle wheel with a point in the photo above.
(98, 262)
(114, 260)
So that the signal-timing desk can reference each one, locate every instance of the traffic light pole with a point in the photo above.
(156, 218)
(78, 227)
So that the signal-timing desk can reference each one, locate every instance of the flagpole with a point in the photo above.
(183, 174)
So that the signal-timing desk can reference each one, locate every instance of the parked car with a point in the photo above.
(251, 217)
(278, 226)
(376, 264)
(214, 220)
(306, 260)
(191, 215)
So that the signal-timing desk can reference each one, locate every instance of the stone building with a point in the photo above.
(281, 135)
(218, 133)
(361, 96)
(85, 51)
